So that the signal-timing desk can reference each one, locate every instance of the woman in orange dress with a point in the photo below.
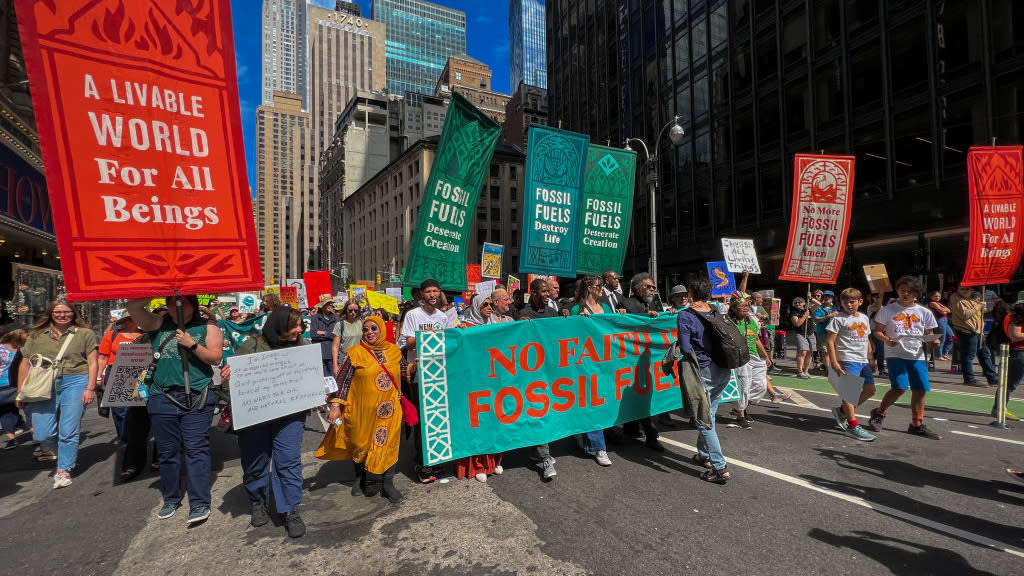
(370, 414)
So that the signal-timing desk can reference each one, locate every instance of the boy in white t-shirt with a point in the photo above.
(849, 351)
(901, 326)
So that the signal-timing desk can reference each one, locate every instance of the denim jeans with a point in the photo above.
(278, 442)
(120, 416)
(947, 337)
(57, 421)
(177, 431)
(968, 350)
(715, 380)
(593, 441)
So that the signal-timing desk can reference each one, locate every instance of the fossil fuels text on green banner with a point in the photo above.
(441, 239)
(554, 178)
(606, 209)
(494, 388)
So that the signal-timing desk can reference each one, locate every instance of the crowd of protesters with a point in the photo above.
(372, 357)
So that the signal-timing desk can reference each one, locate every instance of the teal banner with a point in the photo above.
(555, 161)
(606, 209)
(441, 237)
(494, 388)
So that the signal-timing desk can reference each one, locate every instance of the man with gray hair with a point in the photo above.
(642, 290)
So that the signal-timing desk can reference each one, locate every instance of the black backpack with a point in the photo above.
(728, 346)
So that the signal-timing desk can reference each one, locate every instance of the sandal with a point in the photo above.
(129, 474)
(701, 461)
(155, 466)
(716, 476)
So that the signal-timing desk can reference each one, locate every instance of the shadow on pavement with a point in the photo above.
(902, 557)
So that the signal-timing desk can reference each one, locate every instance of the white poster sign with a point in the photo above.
(130, 361)
(268, 385)
(484, 289)
(300, 287)
(248, 303)
(395, 293)
(739, 255)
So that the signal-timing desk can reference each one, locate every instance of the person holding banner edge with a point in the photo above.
(589, 299)
(536, 308)
(642, 293)
(181, 418)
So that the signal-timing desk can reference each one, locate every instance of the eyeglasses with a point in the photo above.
(485, 305)
(352, 310)
(650, 286)
(371, 328)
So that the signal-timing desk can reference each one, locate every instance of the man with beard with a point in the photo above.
(537, 307)
(639, 302)
(425, 317)
(554, 298)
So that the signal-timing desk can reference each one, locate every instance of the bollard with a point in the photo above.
(1004, 366)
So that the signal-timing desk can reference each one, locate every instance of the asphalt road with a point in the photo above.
(804, 499)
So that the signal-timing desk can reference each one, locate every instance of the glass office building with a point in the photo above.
(420, 38)
(904, 86)
(526, 44)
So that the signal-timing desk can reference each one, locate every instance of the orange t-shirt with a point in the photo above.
(109, 345)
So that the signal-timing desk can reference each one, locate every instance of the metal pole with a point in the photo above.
(652, 184)
(184, 351)
(1004, 365)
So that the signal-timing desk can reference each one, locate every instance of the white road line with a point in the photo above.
(800, 401)
(955, 532)
(996, 438)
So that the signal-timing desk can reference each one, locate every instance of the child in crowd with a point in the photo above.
(901, 326)
(849, 352)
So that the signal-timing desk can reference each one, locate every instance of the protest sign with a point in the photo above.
(131, 360)
(494, 388)
(268, 385)
(395, 293)
(740, 255)
(473, 275)
(513, 284)
(484, 289)
(995, 178)
(272, 289)
(236, 332)
(290, 296)
(820, 218)
(141, 136)
(878, 278)
(490, 260)
(723, 282)
(356, 290)
(441, 237)
(379, 301)
(531, 277)
(317, 282)
(156, 303)
(300, 286)
(773, 311)
(607, 207)
(555, 162)
(248, 303)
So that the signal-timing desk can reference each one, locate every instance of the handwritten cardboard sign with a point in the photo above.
(878, 278)
(740, 255)
(268, 385)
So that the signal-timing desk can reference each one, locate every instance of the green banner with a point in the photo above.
(494, 388)
(555, 161)
(606, 209)
(441, 239)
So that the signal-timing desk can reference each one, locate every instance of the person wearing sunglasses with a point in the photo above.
(639, 302)
(479, 313)
(346, 333)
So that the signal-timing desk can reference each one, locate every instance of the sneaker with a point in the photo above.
(602, 458)
(803, 375)
(860, 433)
(976, 383)
(481, 477)
(62, 479)
(549, 468)
(198, 514)
(46, 456)
(499, 470)
(292, 522)
(259, 515)
(875, 421)
(923, 430)
(167, 511)
(654, 444)
(11, 444)
(837, 413)
(1011, 416)
(780, 396)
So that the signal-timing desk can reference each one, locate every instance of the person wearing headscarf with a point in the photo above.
(479, 313)
(278, 440)
(367, 412)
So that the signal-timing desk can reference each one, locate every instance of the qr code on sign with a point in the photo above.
(121, 386)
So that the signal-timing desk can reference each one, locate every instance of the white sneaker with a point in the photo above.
(481, 477)
(549, 468)
(62, 479)
(602, 458)
(499, 470)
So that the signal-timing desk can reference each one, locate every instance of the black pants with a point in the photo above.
(137, 432)
(632, 428)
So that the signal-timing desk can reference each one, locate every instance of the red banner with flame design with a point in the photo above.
(995, 178)
(822, 202)
(136, 102)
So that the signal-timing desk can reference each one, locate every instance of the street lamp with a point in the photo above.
(675, 134)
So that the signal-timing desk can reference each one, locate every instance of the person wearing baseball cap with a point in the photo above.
(679, 299)
(321, 330)
(822, 316)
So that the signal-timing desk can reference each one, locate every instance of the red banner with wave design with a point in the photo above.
(995, 178)
(820, 220)
(136, 103)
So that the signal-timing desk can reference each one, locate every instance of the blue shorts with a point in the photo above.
(908, 373)
(862, 370)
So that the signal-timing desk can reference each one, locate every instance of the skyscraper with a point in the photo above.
(421, 37)
(284, 49)
(526, 44)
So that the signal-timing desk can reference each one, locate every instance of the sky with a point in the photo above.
(486, 40)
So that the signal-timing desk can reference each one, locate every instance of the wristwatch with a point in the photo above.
(193, 347)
